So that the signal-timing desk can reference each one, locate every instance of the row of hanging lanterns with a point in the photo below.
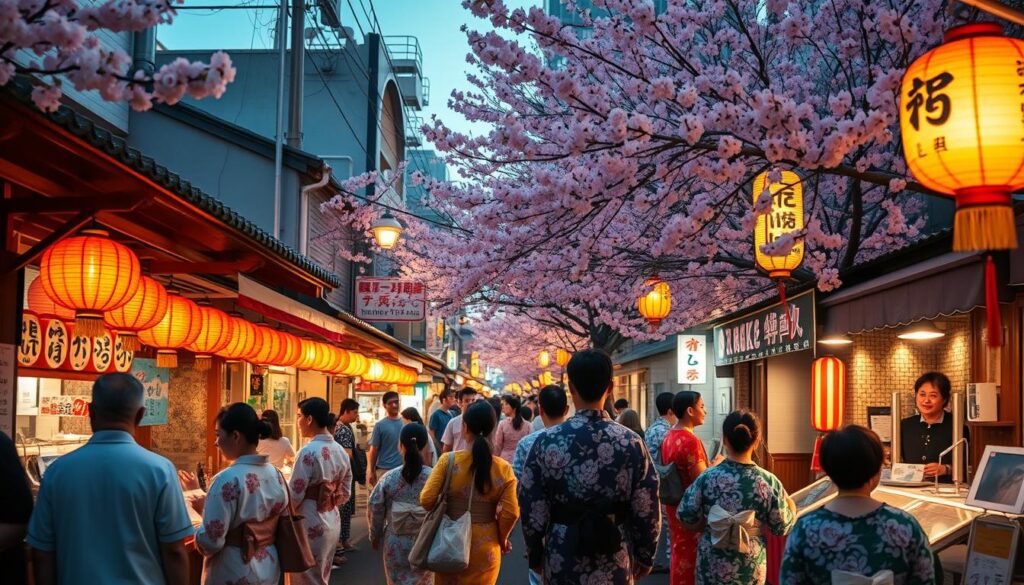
(99, 283)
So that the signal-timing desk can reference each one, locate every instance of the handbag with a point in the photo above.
(359, 465)
(419, 553)
(293, 551)
(670, 484)
(450, 550)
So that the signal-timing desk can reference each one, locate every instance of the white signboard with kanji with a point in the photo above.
(693, 359)
(390, 299)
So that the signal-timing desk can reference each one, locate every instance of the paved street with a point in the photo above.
(364, 567)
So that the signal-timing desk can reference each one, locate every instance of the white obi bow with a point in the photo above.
(732, 530)
(847, 578)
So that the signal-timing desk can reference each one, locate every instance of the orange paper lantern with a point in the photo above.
(828, 393)
(375, 371)
(329, 357)
(342, 359)
(144, 310)
(544, 358)
(656, 303)
(358, 364)
(243, 338)
(180, 326)
(963, 133)
(786, 215)
(311, 354)
(215, 335)
(291, 349)
(268, 347)
(41, 304)
(90, 274)
(562, 357)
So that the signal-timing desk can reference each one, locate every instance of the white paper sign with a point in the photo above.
(693, 359)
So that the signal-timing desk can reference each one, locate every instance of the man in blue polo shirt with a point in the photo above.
(439, 420)
(111, 512)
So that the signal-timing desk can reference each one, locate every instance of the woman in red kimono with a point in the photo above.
(686, 450)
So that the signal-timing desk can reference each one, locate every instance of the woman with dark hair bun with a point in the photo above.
(411, 415)
(511, 429)
(483, 484)
(395, 512)
(321, 482)
(731, 502)
(276, 447)
(250, 492)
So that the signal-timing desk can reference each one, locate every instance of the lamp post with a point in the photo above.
(386, 231)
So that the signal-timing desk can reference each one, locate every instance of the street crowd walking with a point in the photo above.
(590, 499)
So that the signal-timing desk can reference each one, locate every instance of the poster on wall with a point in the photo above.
(255, 384)
(691, 351)
(156, 386)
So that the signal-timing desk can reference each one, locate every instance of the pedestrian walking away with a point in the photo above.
(685, 451)
(730, 503)
(96, 523)
(276, 447)
(321, 482)
(483, 485)
(875, 537)
(246, 497)
(653, 438)
(411, 415)
(630, 419)
(346, 438)
(384, 455)
(394, 512)
(589, 492)
(511, 429)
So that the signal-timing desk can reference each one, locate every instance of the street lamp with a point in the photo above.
(386, 230)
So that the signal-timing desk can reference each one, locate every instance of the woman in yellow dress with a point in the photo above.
(494, 510)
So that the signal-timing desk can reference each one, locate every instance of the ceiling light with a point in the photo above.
(835, 339)
(922, 331)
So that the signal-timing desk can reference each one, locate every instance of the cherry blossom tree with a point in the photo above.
(57, 41)
(626, 145)
(514, 341)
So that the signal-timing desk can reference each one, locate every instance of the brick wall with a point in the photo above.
(878, 363)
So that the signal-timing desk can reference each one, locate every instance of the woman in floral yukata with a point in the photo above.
(321, 481)
(730, 503)
(250, 491)
(855, 534)
(394, 511)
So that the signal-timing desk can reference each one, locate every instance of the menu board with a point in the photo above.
(992, 551)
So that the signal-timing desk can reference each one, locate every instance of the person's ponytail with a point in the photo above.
(480, 421)
(413, 438)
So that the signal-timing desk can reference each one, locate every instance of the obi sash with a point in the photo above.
(732, 531)
(252, 536)
(326, 494)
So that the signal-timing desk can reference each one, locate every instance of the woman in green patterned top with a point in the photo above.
(855, 534)
(730, 503)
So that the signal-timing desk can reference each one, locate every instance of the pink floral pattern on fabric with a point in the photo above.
(215, 528)
(299, 486)
(307, 460)
(315, 532)
(252, 483)
(230, 492)
(325, 454)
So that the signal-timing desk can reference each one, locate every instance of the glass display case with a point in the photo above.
(814, 495)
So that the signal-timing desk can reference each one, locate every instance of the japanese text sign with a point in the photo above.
(49, 343)
(390, 299)
(692, 355)
(767, 332)
(156, 384)
(64, 405)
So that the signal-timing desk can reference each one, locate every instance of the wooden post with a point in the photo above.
(214, 390)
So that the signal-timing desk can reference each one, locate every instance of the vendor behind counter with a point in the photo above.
(927, 434)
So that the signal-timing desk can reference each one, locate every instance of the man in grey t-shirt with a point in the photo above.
(384, 455)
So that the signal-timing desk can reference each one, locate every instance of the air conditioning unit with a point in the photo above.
(983, 402)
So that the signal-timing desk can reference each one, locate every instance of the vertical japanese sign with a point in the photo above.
(156, 386)
(7, 383)
(691, 352)
(390, 299)
(767, 332)
(474, 364)
(452, 359)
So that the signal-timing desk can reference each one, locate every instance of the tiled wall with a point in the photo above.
(878, 364)
(183, 439)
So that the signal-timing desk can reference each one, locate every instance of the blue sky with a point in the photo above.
(435, 23)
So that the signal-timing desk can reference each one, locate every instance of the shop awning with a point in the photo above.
(940, 286)
(266, 302)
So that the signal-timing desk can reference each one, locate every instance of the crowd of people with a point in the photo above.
(592, 494)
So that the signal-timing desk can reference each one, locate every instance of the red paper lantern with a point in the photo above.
(215, 335)
(90, 274)
(242, 340)
(143, 311)
(180, 326)
(828, 399)
(311, 355)
(43, 305)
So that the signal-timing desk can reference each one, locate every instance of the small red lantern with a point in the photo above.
(828, 398)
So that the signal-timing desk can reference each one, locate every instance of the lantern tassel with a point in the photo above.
(995, 324)
(816, 458)
(89, 324)
(167, 358)
(203, 363)
(129, 341)
(984, 227)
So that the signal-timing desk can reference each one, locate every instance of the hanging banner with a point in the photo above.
(767, 332)
(156, 385)
(390, 299)
(692, 357)
(51, 344)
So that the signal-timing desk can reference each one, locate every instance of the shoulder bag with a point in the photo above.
(441, 546)
(293, 550)
(670, 484)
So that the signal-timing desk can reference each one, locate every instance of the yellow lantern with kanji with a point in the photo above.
(786, 215)
(562, 357)
(142, 311)
(214, 336)
(656, 302)
(828, 398)
(962, 125)
(180, 326)
(90, 274)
